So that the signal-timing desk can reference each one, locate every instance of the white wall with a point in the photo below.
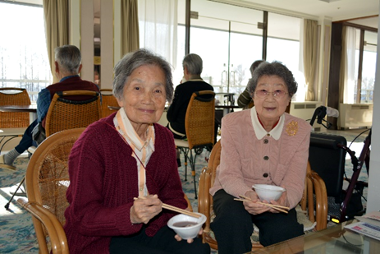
(373, 199)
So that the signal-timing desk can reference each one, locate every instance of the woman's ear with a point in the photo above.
(120, 102)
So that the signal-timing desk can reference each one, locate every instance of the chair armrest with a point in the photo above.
(205, 205)
(321, 200)
(52, 225)
(204, 197)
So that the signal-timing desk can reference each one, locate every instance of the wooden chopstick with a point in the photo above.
(270, 205)
(176, 209)
(279, 206)
(179, 210)
(276, 207)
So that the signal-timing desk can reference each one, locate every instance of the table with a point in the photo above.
(229, 97)
(226, 108)
(31, 109)
(335, 239)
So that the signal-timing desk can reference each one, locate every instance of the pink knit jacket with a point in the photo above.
(245, 160)
(104, 181)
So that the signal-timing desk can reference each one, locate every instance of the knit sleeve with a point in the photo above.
(99, 203)
(291, 171)
(229, 173)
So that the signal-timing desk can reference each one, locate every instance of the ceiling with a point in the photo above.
(336, 10)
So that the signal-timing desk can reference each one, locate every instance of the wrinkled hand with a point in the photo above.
(283, 201)
(252, 206)
(178, 238)
(144, 209)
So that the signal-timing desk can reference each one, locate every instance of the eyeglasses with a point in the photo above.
(278, 94)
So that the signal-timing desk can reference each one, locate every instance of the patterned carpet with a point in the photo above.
(16, 228)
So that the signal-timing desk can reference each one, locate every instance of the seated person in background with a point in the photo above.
(245, 98)
(67, 67)
(123, 167)
(263, 145)
(192, 69)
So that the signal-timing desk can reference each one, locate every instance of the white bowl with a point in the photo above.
(187, 231)
(268, 192)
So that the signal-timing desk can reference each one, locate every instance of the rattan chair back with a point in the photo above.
(47, 180)
(64, 114)
(200, 119)
(14, 96)
(108, 99)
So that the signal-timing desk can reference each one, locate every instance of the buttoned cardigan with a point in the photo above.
(246, 160)
(104, 181)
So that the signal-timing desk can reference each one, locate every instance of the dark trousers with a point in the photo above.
(233, 226)
(27, 140)
(162, 242)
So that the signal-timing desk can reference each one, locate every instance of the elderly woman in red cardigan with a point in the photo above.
(122, 157)
(263, 145)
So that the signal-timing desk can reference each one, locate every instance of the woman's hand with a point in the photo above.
(283, 201)
(144, 209)
(178, 238)
(252, 206)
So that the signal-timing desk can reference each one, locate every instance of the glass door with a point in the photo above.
(228, 47)
(245, 48)
(369, 67)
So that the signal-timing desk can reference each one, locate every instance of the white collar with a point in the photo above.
(132, 134)
(259, 129)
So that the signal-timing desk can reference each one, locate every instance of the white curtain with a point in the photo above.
(158, 27)
(350, 73)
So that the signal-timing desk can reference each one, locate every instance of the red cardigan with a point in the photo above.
(104, 181)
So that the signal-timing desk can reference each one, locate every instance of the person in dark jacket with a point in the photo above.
(191, 82)
(67, 68)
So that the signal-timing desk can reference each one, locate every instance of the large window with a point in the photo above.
(284, 46)
(23, 55)
(360, 67)
(230, 38)
(367, 79)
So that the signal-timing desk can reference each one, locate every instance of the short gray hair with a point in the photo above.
(193, 63)
(277, 69)
(131, 61)
(254, 65)
(68, 58)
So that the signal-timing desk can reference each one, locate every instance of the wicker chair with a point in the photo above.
(314, 189)
(14, 96)
(108, 99)
(66, 113)
(47, 179)
(200, 128)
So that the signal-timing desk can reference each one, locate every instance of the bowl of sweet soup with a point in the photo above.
(186, 226)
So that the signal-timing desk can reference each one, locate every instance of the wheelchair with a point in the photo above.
(327, 157)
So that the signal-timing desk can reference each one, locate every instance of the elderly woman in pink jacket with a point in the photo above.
(263, 145)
